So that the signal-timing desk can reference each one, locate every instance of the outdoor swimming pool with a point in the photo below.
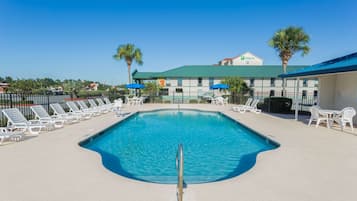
(144, 146)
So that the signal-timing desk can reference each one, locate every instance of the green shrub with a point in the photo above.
(193, 101)
(86, 94)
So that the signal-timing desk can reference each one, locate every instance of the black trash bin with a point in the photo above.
(278, 104)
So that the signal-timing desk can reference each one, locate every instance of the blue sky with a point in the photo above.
(77, 38)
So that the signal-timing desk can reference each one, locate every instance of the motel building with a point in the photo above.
(194, 81)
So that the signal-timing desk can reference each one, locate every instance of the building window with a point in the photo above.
(282, 82)
(304, 93)
(199, 82)
(179, 90)
(251, 82)
(168, 84)
(179, 82)
(272, 93)
(251, 93)
(315, 93)
(272, 82)
(164, 92)
(304, 83)
(211, 81)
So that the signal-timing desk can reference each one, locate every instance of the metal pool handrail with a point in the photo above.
(179, 167)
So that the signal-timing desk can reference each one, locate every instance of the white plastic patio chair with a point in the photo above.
(69, 117)
(42, 115)
(220, 101)
(8, 134)
(317, 116)
(16, 120)
(118, 104)
(213, 100)
(130, 101)
(138, 101)
(74, 109)
(225, 101)
(345, 116)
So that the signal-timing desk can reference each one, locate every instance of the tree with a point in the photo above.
(237, 86)
(287, 42)
(151, 88)
(129, 53)
(23, 87)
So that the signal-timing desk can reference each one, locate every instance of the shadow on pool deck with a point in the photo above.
(305, 120)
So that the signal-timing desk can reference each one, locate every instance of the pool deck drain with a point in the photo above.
(311, 164)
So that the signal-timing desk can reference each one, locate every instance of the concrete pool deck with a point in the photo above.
(311, 164)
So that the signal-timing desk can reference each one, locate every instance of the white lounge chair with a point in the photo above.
(252, 108)
(6, 133)
(85, 108)
(107, 101)
(60, 113)
(16, 120)
(74, 109)
(238, 107)
(102, 104)
(94, 106)
(345, 116)
(317, 116)
(42, 115)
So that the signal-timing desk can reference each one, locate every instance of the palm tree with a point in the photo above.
(237, 87)
(129, 53)
(287, 42)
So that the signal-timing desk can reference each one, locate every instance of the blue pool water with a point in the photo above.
(144, 146)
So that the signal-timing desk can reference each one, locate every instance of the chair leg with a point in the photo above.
(317, 123)
(310, 122)
(351, 124)
(342, 124)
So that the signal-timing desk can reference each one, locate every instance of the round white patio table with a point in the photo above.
(330, 114)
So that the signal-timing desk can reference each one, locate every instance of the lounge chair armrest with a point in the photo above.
(33, 121)
(19, 124)
(323, 114)
(56, 117)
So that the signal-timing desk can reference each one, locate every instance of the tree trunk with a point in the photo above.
(129, 75)
(285, 64)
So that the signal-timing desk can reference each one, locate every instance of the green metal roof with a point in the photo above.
(143, 75)
(265, 71)
(343, 64)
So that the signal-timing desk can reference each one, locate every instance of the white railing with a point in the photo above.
(179, 167)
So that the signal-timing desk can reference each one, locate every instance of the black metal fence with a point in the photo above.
(24, 101)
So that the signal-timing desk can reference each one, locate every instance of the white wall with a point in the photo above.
(190, 88)
(339, 91)
(327, 91)
(346, 91)
(247, 59)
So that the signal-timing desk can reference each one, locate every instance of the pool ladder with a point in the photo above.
(179, 168)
